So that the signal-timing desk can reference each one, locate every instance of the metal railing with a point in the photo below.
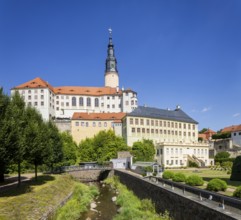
(85, 167)
(223, 202)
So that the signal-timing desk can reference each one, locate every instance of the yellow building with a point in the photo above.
(86, 125)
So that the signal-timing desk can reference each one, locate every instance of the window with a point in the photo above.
(67, 97)
(57, 97)
(36, 97)
(160, 131)
(105, 124)
(160, 123)
(176, 151)
(147, 130)
(133, 130)
(167, 162)
(87, 124)
(152, 122)
(108, 106)
(172, 124)
(239, 133)
(127, 102)
(42, 103)
(171, 151)
(62, 104)
(102, 104)
(143, 130)
(29, 97)
(152, 131)
(156, 131)
(76, 123)
(181, 151)
(138, 130)
(136, 121)
(29, 91)
(99, 124)
(169, 132)
(184, 126)
(165, 124)
(113, 97)
(194, 151)
(180, 125)
(57, 108)
(189, 126)
(189, 134)
(132, 102)
(131, 121)
(82, 124)
(67, 103)
(176, 133)
(234, 134)
(184, 133)
(113, 106)
(96, 102)
(193, 127)
(81, 101)
(147, 122)
(73, 101)
(42, 96)
(176, 162)
(156, 122)
(167, 150)
(108, 97)
(193, 134)
(35, 103)
(175, 125)
(180, 133)
(168, 124)
(165, 132)
(88, 102)
(57, 102)
(142, 121)
(42, 91)
(172, 132)
(62, 97)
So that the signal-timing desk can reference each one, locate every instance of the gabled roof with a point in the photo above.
(210, 131)
(232, 128)
(98, 116)
(174, 115)
(35, 83)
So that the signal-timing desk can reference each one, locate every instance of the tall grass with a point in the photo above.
(131, 207)
(81, 199)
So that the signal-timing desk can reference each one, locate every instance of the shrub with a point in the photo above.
(167, 174)
(194, 180)
(237, 192)
(236, 170)
(217, 185)
(192, 164)
(179, 177)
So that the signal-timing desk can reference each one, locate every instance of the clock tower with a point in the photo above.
(111, 72)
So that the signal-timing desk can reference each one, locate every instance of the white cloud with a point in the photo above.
(206, 109)
(236, 115)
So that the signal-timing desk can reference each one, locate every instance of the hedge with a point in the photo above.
(194, 180)
(217, 185)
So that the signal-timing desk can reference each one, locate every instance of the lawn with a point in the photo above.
(33, 199)
(208, 174)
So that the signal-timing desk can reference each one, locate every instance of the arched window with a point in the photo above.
(73, 101)
(96, 102)
(88, 102)
(81, 101)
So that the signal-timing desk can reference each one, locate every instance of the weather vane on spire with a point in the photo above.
(110, 31)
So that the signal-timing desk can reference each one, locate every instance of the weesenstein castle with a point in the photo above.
(84, 111)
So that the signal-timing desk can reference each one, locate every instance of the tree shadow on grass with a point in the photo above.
(25, 187)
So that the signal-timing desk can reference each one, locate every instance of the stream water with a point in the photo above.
(106, 208)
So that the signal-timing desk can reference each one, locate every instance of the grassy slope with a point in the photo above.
(33, 199)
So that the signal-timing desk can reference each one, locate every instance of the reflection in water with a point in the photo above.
(106, 209)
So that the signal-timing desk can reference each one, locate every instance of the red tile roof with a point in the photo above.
(232, 128)
(35, 83)
(71, 90)
(116, 117)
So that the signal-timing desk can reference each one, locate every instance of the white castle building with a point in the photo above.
(62, 102)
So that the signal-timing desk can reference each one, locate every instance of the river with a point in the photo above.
(106, 209)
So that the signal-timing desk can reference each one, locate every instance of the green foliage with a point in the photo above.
(168, 174)
(179, 177)
(222, 154)
(237, 192)
(102, 147)
(70, 149)
(221, 135)
(148, 169)
(82, 197)
(194, 180)
(143, 150)
(203, 131)
(132, 207)
(236, 170)
(192, 164)
(221, 160)
(217, 185)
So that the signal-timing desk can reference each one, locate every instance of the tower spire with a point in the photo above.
(111, 62)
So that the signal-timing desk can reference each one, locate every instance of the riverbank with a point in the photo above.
(35, 199)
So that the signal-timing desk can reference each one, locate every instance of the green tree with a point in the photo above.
(102, 147)
(54, 146)
(203, 130)
(221, 135)
(236, 169)
(4, 156)
(13, 131)
(69, 149)
(143, 150)
(35, 139)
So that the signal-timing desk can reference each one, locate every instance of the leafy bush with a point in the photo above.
(236, 170)
(194, 180)
(217, 185)
(167, 174)
(192, 164)
(179, 177)
(237, 192)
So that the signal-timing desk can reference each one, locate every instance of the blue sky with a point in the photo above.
(185, 52)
